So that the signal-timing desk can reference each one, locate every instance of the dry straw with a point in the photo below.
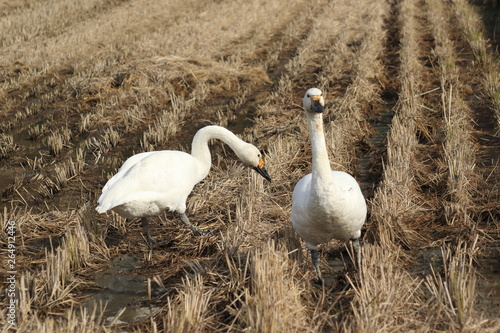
(146, 75)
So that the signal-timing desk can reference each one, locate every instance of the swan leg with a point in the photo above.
(145, 230)
(315, 262)
(357, 251)
(191, 226)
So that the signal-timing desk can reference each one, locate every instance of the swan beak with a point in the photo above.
(262, 170)
(316, 106)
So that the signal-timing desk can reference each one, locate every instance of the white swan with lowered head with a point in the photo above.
(152, 182)
(326, 204)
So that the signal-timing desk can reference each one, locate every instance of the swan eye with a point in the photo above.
(308, 96)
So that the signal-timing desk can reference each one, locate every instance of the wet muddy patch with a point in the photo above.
(123, 298)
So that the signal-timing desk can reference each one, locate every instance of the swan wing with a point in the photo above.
(124, 168)
(300, 207)
(157, 180)
(351, 213)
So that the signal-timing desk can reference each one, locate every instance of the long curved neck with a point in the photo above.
(321, 171)
(200, 150)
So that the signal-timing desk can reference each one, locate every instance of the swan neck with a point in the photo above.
(320, 163)
(200, 150)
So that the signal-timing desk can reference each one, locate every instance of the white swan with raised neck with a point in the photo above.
(326, 204)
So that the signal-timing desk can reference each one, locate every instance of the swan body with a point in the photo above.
(326, 204)
(140, 190)
(152, 182)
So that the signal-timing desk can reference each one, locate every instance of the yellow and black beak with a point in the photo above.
(262, 170)
(316, 104)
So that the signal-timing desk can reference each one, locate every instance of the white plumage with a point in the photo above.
(326, 204)
(151, 182)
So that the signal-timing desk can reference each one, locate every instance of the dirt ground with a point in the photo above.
(108, 79)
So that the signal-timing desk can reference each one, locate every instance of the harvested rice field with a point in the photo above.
(412, 90)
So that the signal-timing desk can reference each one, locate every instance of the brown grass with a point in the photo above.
(146, 75)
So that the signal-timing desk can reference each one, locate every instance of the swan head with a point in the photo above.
(313, 101)
(252, 157)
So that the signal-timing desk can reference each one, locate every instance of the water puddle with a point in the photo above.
(123, 299)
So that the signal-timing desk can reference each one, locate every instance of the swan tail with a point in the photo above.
(101, 209)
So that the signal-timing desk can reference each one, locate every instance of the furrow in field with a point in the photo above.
(480, 93)
(465, 187)
(399, 208)
(458, 150)
(407, 201)
(379, 112)
(111, 104)
(394, 206)
(480, 78)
